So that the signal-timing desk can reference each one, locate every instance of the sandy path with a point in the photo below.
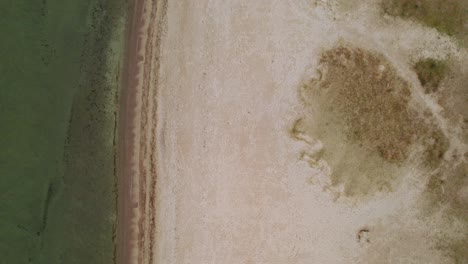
(216, 176)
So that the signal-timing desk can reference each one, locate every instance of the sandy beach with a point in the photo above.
(233, 147)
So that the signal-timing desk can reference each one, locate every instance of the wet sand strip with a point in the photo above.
(126, 203)
(137, 127)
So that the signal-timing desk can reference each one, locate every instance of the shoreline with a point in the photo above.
(126, 138)
(137, 126)
(137, 176)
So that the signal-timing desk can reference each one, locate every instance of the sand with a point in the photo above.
(134, 213)
(211, 173)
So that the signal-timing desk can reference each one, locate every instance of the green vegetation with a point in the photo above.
(447, 16)
(430, 73)
(58, 115)
(442, 198)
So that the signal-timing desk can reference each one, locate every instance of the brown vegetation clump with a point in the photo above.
(371, 100)
(363, 114)
(367, 123)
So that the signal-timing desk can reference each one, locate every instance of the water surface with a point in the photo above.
(59, 75)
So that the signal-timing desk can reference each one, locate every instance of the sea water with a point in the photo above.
(59, 84)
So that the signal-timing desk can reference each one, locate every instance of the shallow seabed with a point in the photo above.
(59, 76)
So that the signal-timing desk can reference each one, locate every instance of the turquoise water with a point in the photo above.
(58, 112)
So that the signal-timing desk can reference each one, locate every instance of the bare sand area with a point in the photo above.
(291, 132)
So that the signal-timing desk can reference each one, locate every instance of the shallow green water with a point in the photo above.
(58, 95)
